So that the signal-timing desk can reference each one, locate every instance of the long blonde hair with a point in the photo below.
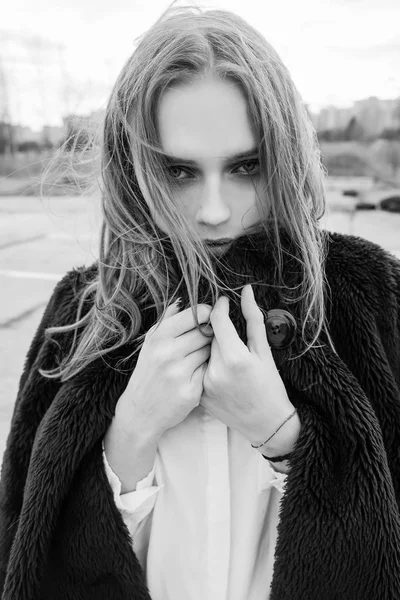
(187, 43)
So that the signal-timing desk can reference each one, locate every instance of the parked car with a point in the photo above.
(352, 193)
(383, 198)
(365, 206)
(391, 204)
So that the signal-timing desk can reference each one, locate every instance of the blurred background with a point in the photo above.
(58, 62)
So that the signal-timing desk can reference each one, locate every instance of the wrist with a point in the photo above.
(132, 426)
(130, 450)
(283, 441)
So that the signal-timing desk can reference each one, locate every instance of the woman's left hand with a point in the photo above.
(242, 386)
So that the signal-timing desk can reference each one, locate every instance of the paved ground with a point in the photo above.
(39, 243)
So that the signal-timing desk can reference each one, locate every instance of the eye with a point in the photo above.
(251, 167)
(174, 171)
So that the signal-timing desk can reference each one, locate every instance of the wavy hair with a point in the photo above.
(187, 43)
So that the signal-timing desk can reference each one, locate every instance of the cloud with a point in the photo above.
(374, 50)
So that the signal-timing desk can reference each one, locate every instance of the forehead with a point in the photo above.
(205, 119)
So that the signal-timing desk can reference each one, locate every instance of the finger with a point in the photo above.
(182, 322)
(257, 341)
(196, 359)
(216, 351)
(171, 309)
(224, 330)
(198, 376)
(191, 341)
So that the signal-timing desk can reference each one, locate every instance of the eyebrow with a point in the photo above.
(253, 152)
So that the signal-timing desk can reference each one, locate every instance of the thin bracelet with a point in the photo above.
(275, 432)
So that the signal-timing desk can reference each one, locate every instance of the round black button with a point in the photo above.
(281, 328)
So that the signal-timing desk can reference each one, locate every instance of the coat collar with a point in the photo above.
(250, 259)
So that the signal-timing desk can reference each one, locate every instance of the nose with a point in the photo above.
(213, 210)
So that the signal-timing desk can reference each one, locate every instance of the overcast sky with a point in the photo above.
(338, 51)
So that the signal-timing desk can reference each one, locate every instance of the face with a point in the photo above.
(205, 129)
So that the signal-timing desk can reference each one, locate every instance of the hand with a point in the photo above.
(167, 382)
(242, 386)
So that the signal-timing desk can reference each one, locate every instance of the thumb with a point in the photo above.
(257, 341)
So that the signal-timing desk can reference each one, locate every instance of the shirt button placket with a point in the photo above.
(217, 507)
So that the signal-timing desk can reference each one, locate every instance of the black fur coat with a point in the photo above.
(61, 535)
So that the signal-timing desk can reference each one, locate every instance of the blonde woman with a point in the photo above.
(212, 410)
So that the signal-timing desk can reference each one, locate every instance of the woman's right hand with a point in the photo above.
(167, 381)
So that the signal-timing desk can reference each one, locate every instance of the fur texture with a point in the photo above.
(61, 535)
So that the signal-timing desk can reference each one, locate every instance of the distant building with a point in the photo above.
(370, 113)
(332, 117)
(80, 128)
(53, 135)
(391, 110)
(373, 114)
(23, 134)
(89, 122)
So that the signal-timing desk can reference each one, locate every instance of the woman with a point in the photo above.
(243, 445)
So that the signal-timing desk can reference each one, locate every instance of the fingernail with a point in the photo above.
(176, 303)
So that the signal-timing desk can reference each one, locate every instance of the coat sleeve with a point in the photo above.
(390, 333)
(35, 394)
(339, 532)
(387, 327)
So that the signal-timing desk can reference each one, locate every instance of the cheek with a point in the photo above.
(250, 217)
(245, 204)
(186, 200)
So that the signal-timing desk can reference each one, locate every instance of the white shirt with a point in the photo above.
(203, 521)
